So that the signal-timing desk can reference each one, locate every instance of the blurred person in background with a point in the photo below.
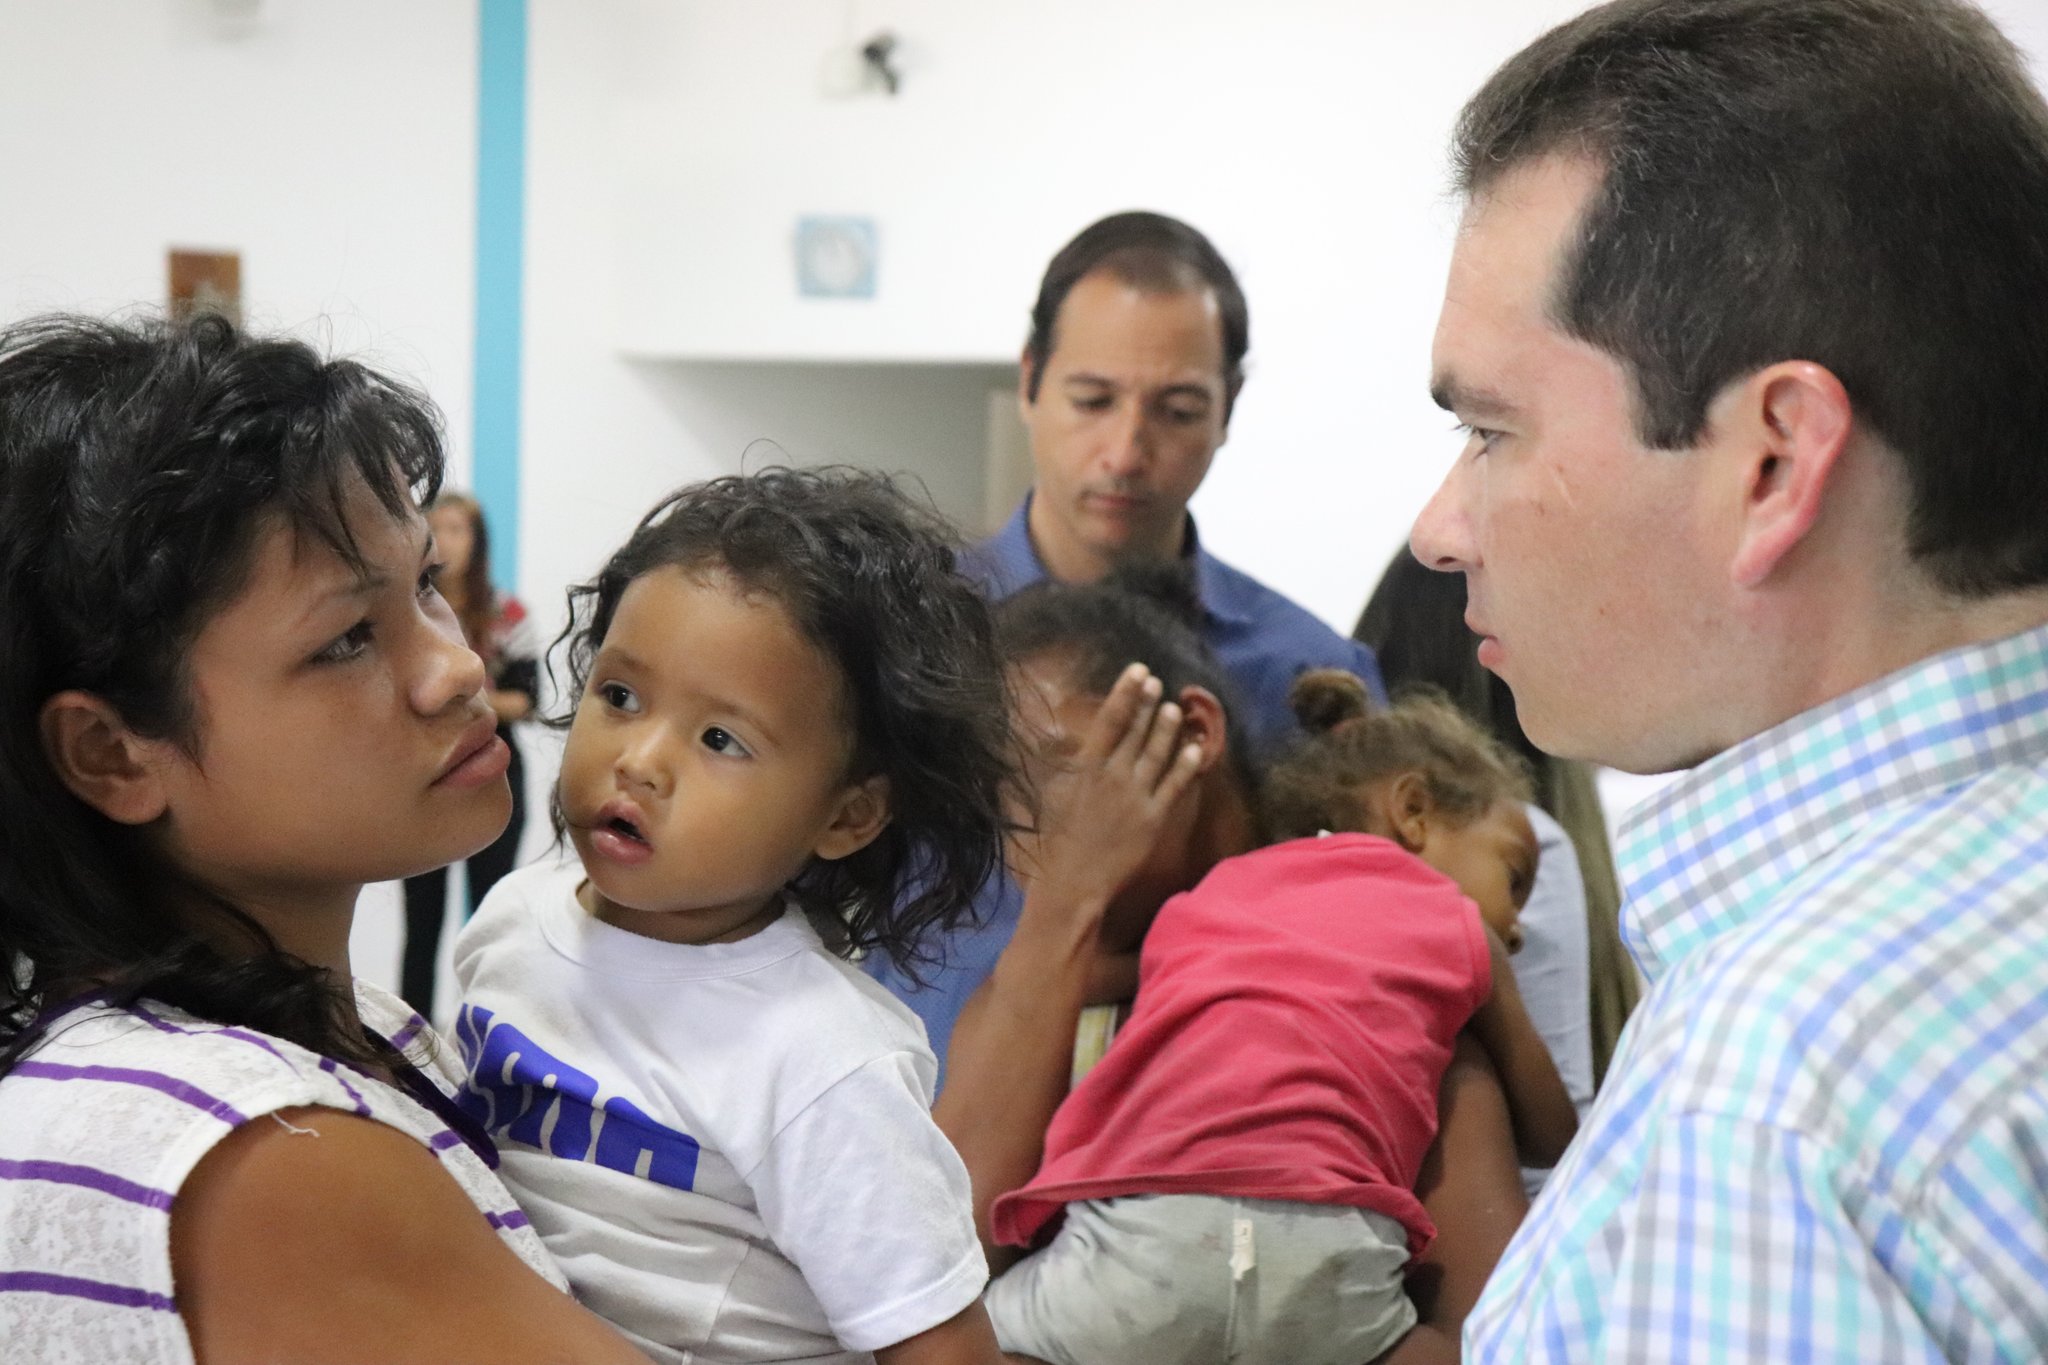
(496, 626)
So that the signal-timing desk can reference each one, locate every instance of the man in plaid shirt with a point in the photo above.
(1748, 324)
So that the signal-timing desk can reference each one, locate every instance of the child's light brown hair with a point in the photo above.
(1350, 746)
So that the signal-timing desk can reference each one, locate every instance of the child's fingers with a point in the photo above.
(1179, 775)
(1157, 754)
(1123, 711)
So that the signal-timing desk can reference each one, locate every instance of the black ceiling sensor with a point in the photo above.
(876, 54)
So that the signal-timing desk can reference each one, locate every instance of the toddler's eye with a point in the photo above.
(619, 697)
(722, 741)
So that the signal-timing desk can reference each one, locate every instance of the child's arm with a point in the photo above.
(964, 1339)
(1472, 1190)
(1012, 1051)
(1545, 1118)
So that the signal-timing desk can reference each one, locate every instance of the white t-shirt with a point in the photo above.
(728, 1147)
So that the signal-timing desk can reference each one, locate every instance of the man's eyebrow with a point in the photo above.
(1452, 395)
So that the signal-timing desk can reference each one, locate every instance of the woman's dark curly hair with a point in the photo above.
(138, 465)
(871, 577)
(1349, 745)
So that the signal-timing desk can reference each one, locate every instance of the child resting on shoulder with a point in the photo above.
(1275, 1090)
(787, 743)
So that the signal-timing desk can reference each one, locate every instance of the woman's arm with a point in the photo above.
(1545, 1118)
(1013, 1045)
(320, 1238)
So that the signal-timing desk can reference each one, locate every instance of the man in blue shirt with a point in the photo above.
(1746, 321)
(1128, 378)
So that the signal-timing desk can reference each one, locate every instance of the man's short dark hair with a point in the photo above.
(1150, 252)
(1858, 183)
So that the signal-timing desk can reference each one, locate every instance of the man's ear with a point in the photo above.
(863, 813)
(1792, 421)
(1203, 724)
(1026, 404)
(103, 762)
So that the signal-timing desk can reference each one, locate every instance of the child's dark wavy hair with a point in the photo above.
(871, 577)
(1348, 745)
(1141, 613)
(138, 465)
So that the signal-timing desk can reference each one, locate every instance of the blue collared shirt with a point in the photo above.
(1825, 1133)
(1264, 642)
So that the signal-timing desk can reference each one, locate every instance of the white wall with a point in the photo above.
(333, 146)
(1306, 137)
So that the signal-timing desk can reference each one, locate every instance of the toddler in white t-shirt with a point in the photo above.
(787, 746)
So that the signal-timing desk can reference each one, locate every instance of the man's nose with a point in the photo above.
(1442, 535)
(1129, 448)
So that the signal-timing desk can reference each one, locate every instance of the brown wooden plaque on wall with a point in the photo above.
(205, 282)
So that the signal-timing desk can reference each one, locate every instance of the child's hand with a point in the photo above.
(1101, 807)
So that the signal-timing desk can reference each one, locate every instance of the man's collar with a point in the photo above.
(1011, 563)
(1706, 853)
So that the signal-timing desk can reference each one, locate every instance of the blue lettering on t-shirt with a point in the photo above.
(515, 1088)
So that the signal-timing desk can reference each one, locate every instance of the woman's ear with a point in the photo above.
(863, 813)
(103, 762)
(1204, 725)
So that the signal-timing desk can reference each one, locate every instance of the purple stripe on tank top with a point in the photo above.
(182, 1091)
(445, 1139)
(88, 1177)
(72, 1287)
(240, 1035)
(514, 1219)
(150, 1017)
(403, 1038)
(333, 1068)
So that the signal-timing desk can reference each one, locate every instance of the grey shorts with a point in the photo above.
(1187, 1279)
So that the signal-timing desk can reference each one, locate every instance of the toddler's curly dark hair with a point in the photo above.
(871, 577)
(1349, 745)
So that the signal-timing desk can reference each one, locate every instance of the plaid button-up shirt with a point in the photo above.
(1825, 1134)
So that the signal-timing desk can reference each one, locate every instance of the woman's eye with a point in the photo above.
(1099, 403)
(722, 741)
(619, 697)
(430, 580)
(347, 645)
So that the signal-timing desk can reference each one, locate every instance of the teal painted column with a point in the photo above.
(500, 260)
